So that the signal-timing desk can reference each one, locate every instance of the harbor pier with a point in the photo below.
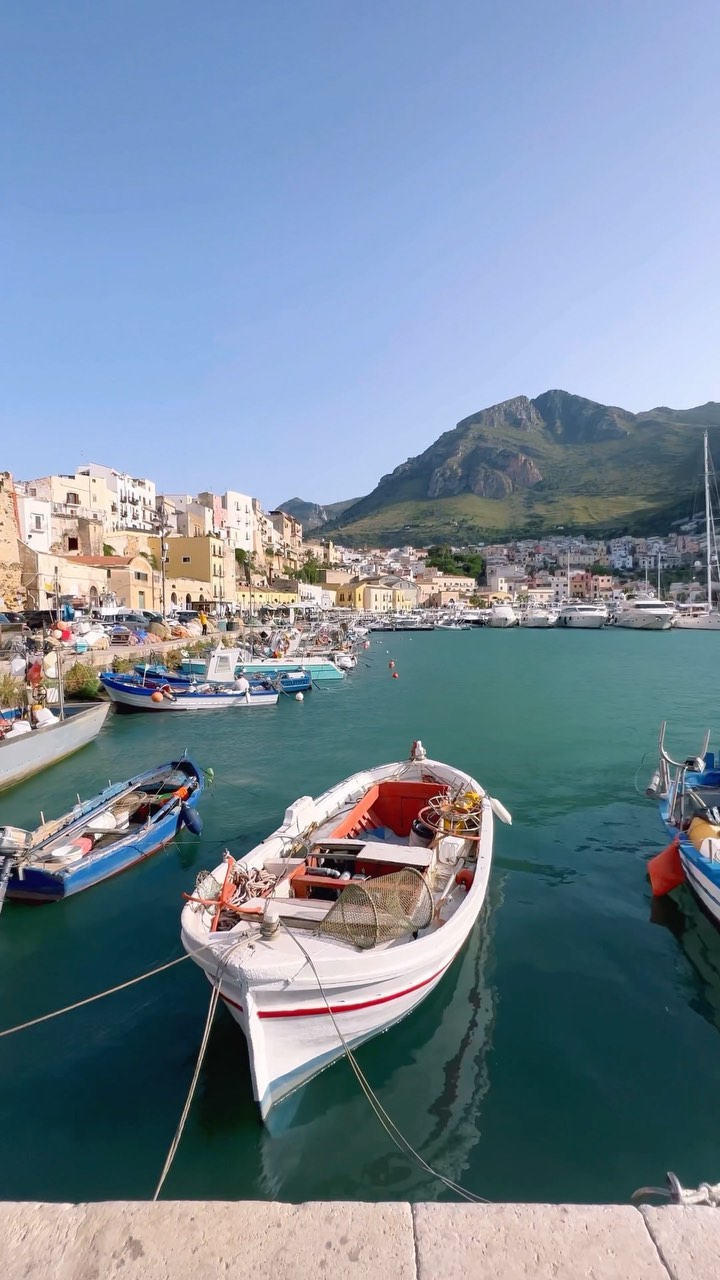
(332, 1240)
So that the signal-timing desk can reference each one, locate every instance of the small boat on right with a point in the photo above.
(688, 795)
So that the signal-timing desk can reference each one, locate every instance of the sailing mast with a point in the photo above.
(708, 516)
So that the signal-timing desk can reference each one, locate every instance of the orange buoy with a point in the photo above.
(395, 675)
(465, 879)
(666, 870)
(156, 696)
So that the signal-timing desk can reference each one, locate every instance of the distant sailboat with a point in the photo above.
(704, 617)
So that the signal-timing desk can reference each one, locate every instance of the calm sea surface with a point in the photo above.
(568, 1054)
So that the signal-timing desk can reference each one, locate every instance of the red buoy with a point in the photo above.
(666, 870)
(391, 664)
(395, 675)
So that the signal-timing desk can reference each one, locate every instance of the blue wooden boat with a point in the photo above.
(98, 838)
(286, 681)
(129, 693)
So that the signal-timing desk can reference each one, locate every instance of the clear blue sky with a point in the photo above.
(281, 245)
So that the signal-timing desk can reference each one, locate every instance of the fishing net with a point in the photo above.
(373, 911)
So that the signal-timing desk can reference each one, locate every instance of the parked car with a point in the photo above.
(185, 616)
(40, 619)
(11, 624)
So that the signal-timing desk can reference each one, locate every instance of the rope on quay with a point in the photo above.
(706, 1194)
(45, 1017)
(391, 1129)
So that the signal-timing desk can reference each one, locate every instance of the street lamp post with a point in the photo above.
(162, 528)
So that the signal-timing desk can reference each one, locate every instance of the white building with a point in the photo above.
(236, 517)
(134, 497)
(34, 519)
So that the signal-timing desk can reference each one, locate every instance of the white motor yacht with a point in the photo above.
(692, 617)
(503, 615)
(577, 613)
(536, 616)
(645, 614)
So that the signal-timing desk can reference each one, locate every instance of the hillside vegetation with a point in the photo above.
(526, 467)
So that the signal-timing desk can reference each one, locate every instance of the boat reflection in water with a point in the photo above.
(682, 915)
(430, 1074)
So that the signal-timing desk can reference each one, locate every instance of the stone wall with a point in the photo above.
(10, 591)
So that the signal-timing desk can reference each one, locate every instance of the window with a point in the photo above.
(72, 544)
(186, 559)
(140, 577)
(72, 500)
(38, 523)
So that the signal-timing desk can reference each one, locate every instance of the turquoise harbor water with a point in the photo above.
(569, 1054)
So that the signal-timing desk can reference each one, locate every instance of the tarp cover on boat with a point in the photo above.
(373, 911)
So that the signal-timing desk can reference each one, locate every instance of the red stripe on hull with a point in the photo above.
(349, 1008)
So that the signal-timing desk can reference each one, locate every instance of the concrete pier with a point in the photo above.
(189, 1240)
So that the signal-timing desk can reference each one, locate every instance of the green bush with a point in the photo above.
(10, 691)
(120, 665)
(81, 682)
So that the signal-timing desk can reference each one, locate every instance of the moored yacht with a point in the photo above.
(503, 615)
(536, 616)
(578, 613)
(645, 614)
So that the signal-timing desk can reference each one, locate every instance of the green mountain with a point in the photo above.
(313, 514)
(526, 467)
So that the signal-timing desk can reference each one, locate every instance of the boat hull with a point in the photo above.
(44, 747)
(644, 622)
(318, 668)
(582, 622)
(297, 1016)
(41, 885)
(305, 1037)
(700, 622)
(130, 697)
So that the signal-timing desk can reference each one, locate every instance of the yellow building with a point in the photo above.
(130, 579)
(375, 595)
(207, 560)
(349, 595)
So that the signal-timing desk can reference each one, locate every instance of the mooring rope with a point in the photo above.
(214, 997)
(388, 1124)
(45, 1017)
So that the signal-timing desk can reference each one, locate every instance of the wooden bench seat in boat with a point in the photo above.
(401, 855)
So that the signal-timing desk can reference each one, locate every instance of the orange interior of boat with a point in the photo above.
(393, 806)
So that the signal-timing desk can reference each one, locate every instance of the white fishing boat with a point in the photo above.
(643, 613)
(585, 616)
(346, 917)
(34, 742)
(704, 617)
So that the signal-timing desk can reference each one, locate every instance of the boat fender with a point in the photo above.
(465, 879)
(191, 819)
(156, 696)
(500, 811)
(666, 869)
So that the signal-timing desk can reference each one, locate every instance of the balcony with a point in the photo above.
(69, 509)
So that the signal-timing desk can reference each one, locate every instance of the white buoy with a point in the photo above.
(299, 697)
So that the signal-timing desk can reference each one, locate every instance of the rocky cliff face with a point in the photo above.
(558, 458)
(9, 537)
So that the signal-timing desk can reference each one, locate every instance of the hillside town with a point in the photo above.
(100, 539)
